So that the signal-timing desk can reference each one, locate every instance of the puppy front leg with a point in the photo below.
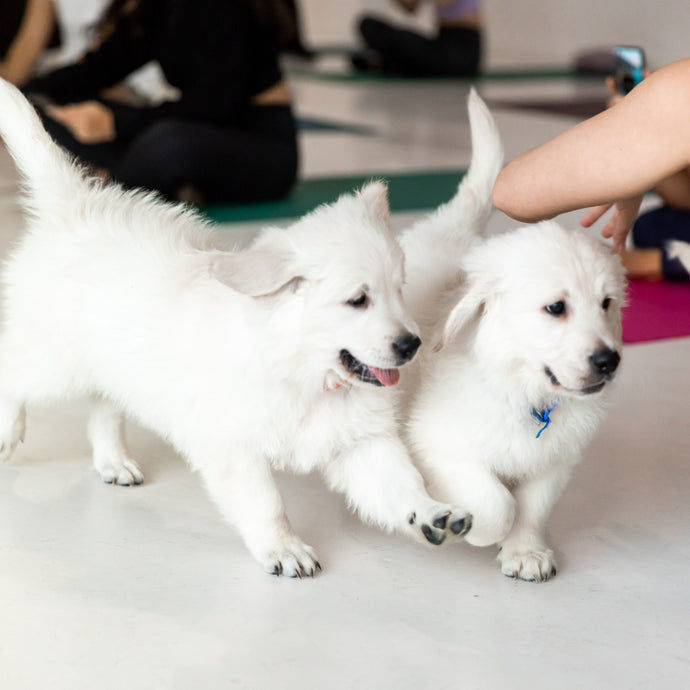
(384, 487)
(248, 498)
(524, 553)
(478, 489)
(110, 455)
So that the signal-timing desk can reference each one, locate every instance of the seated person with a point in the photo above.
(231, 135)
(454, 51)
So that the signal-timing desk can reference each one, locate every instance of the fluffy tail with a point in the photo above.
(435, 245)
(472, 203)
(44, 167)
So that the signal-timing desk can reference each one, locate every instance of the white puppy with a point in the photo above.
(274, 357)
(529, 332)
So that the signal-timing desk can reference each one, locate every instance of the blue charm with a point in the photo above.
(543, 417)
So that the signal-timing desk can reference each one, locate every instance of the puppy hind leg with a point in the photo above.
(111, 457)
(383, 486)
(248, 498)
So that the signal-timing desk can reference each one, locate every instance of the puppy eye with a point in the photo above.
(555, 309)
(606, 304)
(359, 302)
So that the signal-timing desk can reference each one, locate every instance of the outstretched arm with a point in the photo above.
(31, 40)
(613, 157)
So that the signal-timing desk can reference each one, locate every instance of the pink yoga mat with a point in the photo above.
(656, 311)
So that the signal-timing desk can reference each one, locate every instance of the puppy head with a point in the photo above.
(339, 273)
(549, 303)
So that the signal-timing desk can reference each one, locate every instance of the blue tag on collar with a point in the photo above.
(544, 417)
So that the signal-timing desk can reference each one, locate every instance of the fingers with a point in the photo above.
(618, 226)
(593, 215)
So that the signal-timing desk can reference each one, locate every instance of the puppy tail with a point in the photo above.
(472, 204)
(45, 168)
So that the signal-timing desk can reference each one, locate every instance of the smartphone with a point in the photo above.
(630, 66)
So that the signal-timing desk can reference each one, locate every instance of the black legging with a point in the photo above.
(456, 51)
(223, 164)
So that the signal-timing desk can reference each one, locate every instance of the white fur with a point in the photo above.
(679, 250)
(233, 357)
(469, 422)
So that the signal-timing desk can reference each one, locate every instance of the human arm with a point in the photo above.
(616, 155)
(128, 47)
(675, 189)
(218, 56)
(33, 37)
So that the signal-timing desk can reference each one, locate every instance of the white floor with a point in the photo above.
(107, 587)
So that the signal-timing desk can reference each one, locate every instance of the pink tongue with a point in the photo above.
(388, 377)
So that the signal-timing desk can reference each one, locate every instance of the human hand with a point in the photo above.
(624, 215)
(89, 122)
(616, 96)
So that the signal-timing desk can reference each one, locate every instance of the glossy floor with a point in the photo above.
(144, 588)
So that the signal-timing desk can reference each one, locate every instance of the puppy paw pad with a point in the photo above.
(448, 522)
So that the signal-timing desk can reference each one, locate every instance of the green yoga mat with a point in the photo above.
(406, 192)
(506, 74)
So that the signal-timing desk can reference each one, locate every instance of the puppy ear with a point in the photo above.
(375, 196)
(462, 312)
(263, 269)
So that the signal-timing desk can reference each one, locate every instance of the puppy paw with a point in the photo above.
(531, 566)
(440, 523)
(12, 434)
(292, 560)
(120, 471)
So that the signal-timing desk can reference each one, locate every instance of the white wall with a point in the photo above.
(532, 32)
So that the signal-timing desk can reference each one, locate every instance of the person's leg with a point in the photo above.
(643, 263)
(454, 52)
(399, 51)
(651, 232)
(222, 164)
(98, 156)
(461, 49)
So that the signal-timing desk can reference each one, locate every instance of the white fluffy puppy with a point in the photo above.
(529, 332)
(274, 357)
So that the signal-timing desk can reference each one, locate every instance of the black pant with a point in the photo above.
(256, 162)
(455, 51)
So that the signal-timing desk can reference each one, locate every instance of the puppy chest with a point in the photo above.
(311, 438)
(303, 442)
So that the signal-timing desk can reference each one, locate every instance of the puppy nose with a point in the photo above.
(406, 347)
(605, 362)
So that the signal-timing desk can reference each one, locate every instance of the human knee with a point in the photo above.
(157, 159)
(373, 31)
